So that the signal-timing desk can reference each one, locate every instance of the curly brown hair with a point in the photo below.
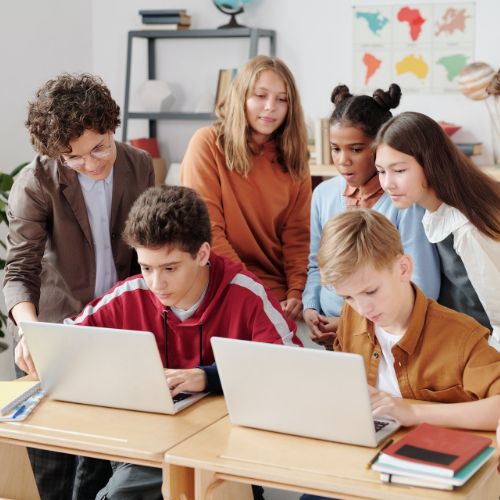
(67, 106)
(168, 215)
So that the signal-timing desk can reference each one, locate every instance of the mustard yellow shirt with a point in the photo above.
(444, 355)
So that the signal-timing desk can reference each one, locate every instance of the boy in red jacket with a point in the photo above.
(185, 295)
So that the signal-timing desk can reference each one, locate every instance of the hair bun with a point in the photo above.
(390, 99)
(339, 94)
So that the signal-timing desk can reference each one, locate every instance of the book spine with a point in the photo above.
(163, 12)
(411, 481)
(469, 148)
(165, 20)
(318, 141)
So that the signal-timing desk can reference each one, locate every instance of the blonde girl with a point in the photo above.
(251, 168)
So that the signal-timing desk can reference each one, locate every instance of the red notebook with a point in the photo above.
(436, 450)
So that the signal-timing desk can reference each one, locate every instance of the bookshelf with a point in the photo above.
(252, 34)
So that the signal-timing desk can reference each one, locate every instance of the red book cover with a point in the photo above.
(435, 449)
(149, 144)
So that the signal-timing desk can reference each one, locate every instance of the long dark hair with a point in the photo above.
(455, 179)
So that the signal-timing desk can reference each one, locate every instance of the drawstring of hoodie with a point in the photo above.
(201, 344)
(165, 331)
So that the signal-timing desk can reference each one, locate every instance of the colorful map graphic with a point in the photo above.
(414, 19)
(453, 65)
(453, 19)
(372, 65)
(421, 47)
(376, 21)
(413, 64)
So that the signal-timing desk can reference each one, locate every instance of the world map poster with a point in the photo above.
(423, 48)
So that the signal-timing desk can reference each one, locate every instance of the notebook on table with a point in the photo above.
(307, 392)
(102, 366)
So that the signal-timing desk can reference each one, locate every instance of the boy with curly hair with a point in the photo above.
(66, 212)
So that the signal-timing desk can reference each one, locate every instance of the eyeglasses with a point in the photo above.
(100, 152)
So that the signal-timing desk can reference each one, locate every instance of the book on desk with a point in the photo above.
(18, 398)
(434, 457)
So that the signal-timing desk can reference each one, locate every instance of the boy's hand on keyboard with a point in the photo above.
(193, 380)
(385, 405)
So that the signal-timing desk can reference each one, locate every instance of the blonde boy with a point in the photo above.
(413, 348)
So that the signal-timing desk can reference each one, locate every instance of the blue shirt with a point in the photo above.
(98, 196)
(328, 201)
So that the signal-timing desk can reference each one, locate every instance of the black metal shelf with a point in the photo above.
(172, 115)
(189, 33)
(253, 34)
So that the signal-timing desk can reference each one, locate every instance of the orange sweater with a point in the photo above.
(261, 220)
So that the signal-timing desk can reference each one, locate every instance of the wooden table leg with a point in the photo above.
(16, 477)
(178, 482)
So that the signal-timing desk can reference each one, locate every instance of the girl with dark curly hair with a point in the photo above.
(354, 124)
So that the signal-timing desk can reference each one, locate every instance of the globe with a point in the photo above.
(231, 8)
(474, 79)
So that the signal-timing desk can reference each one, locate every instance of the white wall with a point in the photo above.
(314, 39)
(38, 40)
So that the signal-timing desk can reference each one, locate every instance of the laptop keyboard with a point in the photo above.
(181, 396)
(379, 425)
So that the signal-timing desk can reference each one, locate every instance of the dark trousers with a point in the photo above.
(60, 476)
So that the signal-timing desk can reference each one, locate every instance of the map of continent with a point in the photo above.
(414, 20)
(451, 21)
(375, 20)
(453, 65)
(413, 64)
(372, 64)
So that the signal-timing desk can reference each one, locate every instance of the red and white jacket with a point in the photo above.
(236, 305)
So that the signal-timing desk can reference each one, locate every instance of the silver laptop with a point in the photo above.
(102, 366)
(308, 392)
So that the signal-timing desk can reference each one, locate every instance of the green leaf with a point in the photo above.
(18, 169)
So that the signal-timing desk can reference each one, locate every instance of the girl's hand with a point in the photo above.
(385, 405)
(322, 329)
(292, 308)
(193, 380)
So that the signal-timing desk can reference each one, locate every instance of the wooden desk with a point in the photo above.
(330, 171)
(223, 452)
(108, 433)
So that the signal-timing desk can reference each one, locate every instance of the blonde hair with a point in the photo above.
(233, 130)
(354, 239)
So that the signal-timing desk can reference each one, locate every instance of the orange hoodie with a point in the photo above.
(261, 220)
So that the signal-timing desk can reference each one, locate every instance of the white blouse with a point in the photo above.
(480, 256)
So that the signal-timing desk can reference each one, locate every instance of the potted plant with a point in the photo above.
(6, 181)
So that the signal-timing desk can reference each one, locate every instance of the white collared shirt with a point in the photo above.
(480, 256)
(98, 196)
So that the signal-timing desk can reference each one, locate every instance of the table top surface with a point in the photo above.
(304, 462)
(134, 436)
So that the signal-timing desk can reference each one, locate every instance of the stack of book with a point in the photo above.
(470, 148)
(433, 457)
(165, 19)
(322, 141)
(18, 398)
